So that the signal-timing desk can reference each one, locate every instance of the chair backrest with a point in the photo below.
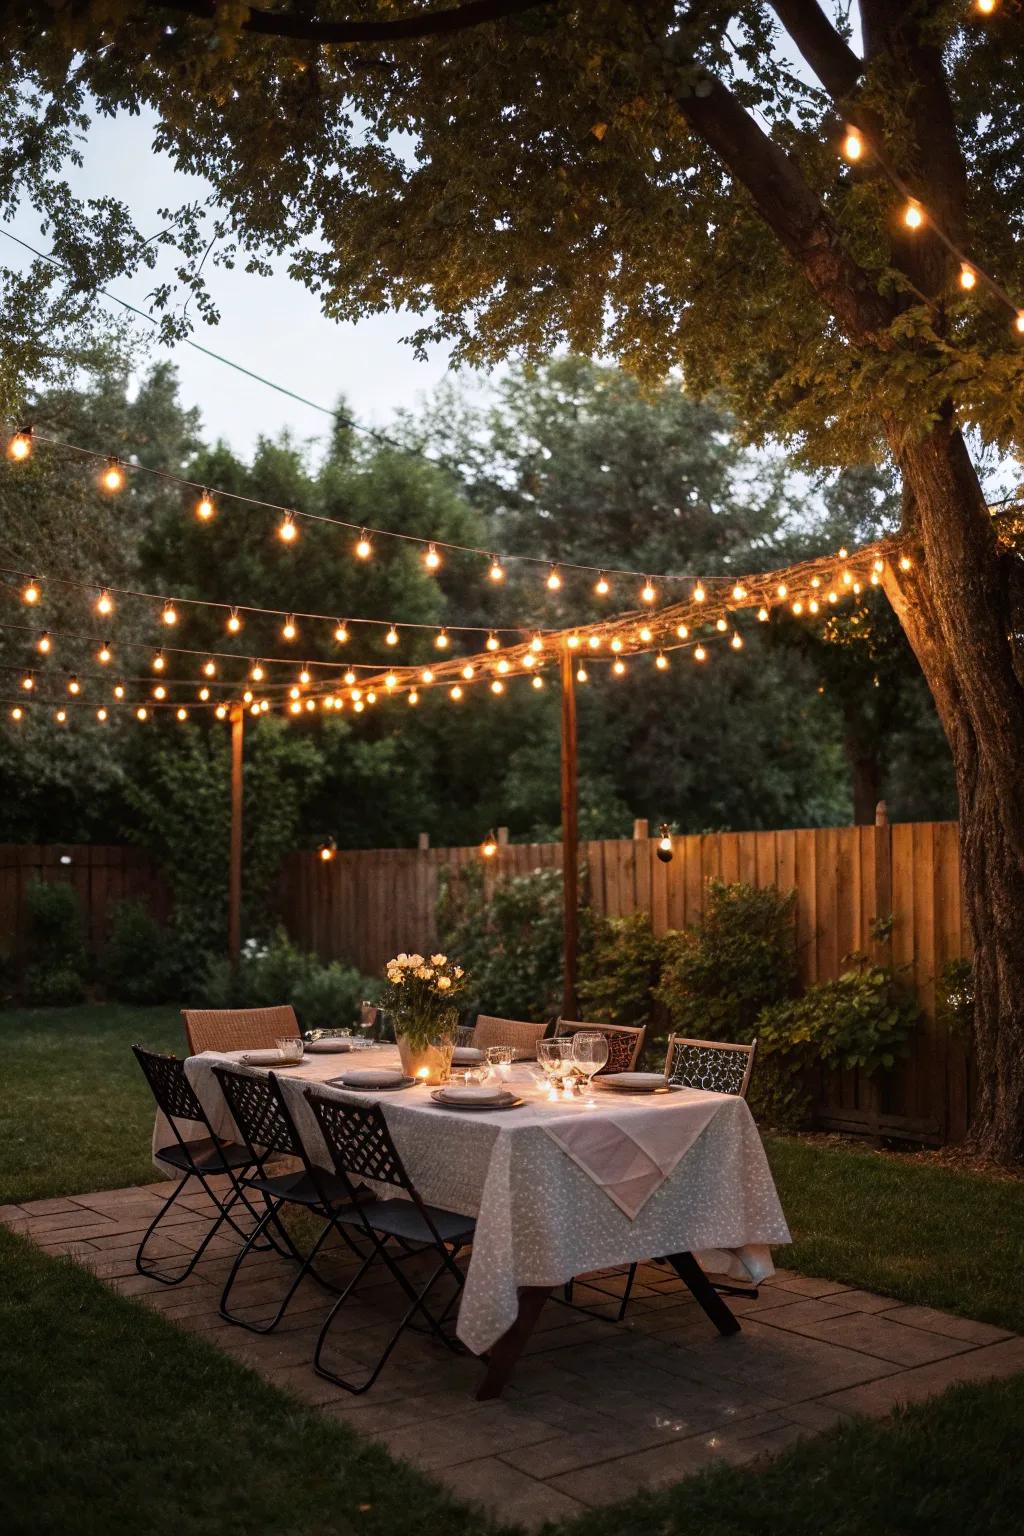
(522, 1037)
(358, 1139)
(170, 1087)
(717, 1066)
(255, 1104)
(625, 1041)
(238, 1029)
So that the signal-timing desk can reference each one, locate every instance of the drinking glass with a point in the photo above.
(290, 1050)
(550, 1056)
(589, 1054)
(499, 1059)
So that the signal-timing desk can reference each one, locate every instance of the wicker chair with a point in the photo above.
(625, 1042)
(522, 1037)
(716, 1066)
(238, 1029)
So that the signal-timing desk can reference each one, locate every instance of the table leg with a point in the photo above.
(703, 1292)
(505, 1353)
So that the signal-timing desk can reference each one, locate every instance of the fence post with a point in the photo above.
(423, 841)
(640, 831)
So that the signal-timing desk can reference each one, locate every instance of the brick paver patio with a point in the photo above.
(594, 1412)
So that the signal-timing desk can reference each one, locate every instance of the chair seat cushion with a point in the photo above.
(300, 1188)
(208, 1154)
(400, 1218)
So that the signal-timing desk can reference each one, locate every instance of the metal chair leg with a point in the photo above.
(223, 1215)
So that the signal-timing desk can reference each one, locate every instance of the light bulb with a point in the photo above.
(28, 682)
(699, 594)
(426, 676)
(119, 690)
(265, 705)
(441, 640)
(169, 614)
(529, 660)
(30, 593)
(616, 644)
(682, 631)
(739, 592)
(390, 681)
(536, 644)
(364, 549)
(816, 580)
(432, 559)
(467, 671)
(905, 562)
(412, 696)
(762, 615)
(159, 661)
(833, 595)
(496, 570)
(349, 678)
(256, 672)
(843, 553)
(581, 674)
(737, 641)
(17, 713)
(234, 622)
(721, 626)
(254, 709)
(700, 654)
(853, 143)
(204, 694)
(20, 446)
(101, 715)
(294, 692)
(537, 682)
(493, 642)
(159, 691)
(44, 644)
(798, 607)
(781, 590)
(968, 276)
(647, 592)
(488, 847)
(295, 708)
(455, 693)
(74, 686)
(391, 637)
(287, 530)
(661, 661)
(220, 711)
(247, 696)
(288, 629)
(61, 716)
(594, 642)
(573, 642)
(104, 654)
(601, 586)
(205, 507)
(341, 632)
(913, 214)
(1019, 321)
(358, 706)
(142, 713)
(619, 668)
(554, 580)
(812, 606)
(112, 477)
(210, 668)
(311, 703)
(646, 635)
(879, 565)
(497, 686)
(986, 7)
(503, 665)
(304, 677)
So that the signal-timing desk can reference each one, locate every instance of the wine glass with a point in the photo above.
(550, 1057)
(589, 1054)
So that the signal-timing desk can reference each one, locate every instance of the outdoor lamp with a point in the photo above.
(664, 848)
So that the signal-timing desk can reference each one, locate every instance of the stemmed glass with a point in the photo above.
(589, 1054)
(551, 1059)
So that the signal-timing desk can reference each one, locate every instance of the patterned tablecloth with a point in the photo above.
(543, 1181)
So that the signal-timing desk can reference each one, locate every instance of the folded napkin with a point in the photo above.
(380, 1077)
(466, 1055)
(271, 1058)
(473, 1093)
(631, 1159)
(329, 1045)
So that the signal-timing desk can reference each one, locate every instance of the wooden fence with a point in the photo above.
(99, 875)
(368, 905)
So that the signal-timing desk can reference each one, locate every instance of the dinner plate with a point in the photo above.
(633, 1082)
(475, 1106)
(394, 1085)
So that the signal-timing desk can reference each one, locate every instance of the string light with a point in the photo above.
(455, 693)
(112, 477)
(986, 7)
(341, 632)
(119, 690)
(737, 641)
(493, 643)
(853, 143)
(489, 846)
(1019, 320)
(968, 276)
(391, 638)
(905, 562)
(468, 671)
(537, 682)
(287, 530)
(798, 607)
(762, 615)
(169, 614)
(432, 559)
(210, 668)
(426, 676)
(496, 571)
(304, 677)
(349, 678)
(234, 622)
(529, 660)
(739, 592)
(412, 696)
(44, 644)
(554, 580)
(647, 592)
(74, 686)
(441, 639)
(159, 661)
(101, 714)
(220, 711)
(646, 635)
(601, 585)
(573, 642)
(700, 654)
(781, 590)
(581, 674)
(497, 686)
(615, 643)
(256, 673)
(536, 643)
(30, 593)
(391, 681)
(205, 508)
(682, 631)
(288, 629)
(159, 691)
(661, 661)
(104, 655)
(913, 214)
(204, 694)
(364, 549)
(142, 713)
(28, 682)
(699, 594)
(19, 446)
(105, 604)
(503, 665)
(17, 713)
(721, 625)
(594, 642)
(619, 667)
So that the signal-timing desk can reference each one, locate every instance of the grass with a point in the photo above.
(113, 1421)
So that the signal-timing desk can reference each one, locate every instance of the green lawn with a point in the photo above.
(113, 1421)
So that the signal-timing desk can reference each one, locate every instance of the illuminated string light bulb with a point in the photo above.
(254, 709)
(601, 585)
(853, 143)
(537, 682)
(833, 595)
(159, 691)
(341, 632)
(497, 686)
(295, 708)
(311, 703)
(256, 673)
(294, 692)
(159, 661)
(619, 667)
(104, 655)
(286, 529)
(986, 7)
(737, 641)
(30, 592)
(847, 579)
(581, 674)
(441, 640)
(1019, 321)
(17, 713)
(646, 635)
(234, 623)
(101, 715)
(74, 686)
(594, 642)
(248, 696)
(661, 661)
(615, 644)
(529, 660)
(364, 549)
(304, 677)
(426, 676)
(119, 690)
(204, 694)
(968, 276)
(44, 644)
(905, 562)
(721, 625)
(496, 571)
(879, 566)
(28, 682)
(489, 846)
(536, 644)
(349, 678)
(288, 628)
(700, 654)
(412, 697)
(913, 214)
(19, 447)
(647, 592)
(105, 604)
(112, 476)
(205, 508)
(573, 642)
(812, 606)
(798, 607)
(390, 681)
(391, 638)
(699, 593)
(781, 590)
(816, 580)
(503, 665)
(554, 579)
(265, 705)
(432, 559)
(739, 592)
(209, 668)
(169, 614)
(455, 693)
(843, 552)
(762, 615)
(467, 671)
(493, 643)
(221, 711)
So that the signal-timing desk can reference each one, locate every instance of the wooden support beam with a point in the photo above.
(570, 838)
(235, 857)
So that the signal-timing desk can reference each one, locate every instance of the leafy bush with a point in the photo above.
(864, 1019)
(323, 996)
(511, 945)
(738, 959)
(955, 997)
(141, 962)
(620, 969)
(56, 945)
(328, 996)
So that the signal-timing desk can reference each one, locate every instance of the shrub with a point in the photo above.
(141, 963)
(955, 998)
(323, 996)
(864, 1019)
(56, 945)
(620, 970)
(738, 959)
(328, 996)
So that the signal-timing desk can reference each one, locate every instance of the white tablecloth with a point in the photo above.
(541, 1217)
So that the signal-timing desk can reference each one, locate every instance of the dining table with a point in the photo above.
(558, 1187)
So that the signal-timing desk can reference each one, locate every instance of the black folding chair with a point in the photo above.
(199, 1159)
(360, 1144)
(259, 1110)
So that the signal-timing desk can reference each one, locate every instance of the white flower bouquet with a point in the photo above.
(420, 997)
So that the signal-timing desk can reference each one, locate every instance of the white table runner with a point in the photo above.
(542, 1218)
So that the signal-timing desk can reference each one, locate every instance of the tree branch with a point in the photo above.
(474, 13)
(833, 61)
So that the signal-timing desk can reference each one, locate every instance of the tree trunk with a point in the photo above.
(866, 778)
(954, 607)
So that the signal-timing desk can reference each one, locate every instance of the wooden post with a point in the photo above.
(423, 841)
(235, 860)
(570, 839)
(640, 829)
(503, 837)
